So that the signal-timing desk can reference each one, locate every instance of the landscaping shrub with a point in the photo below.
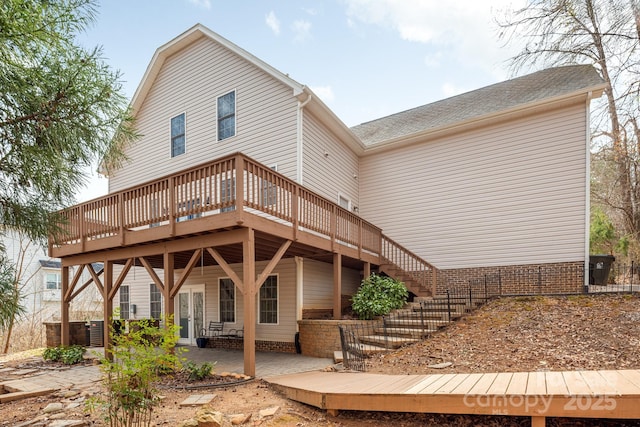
(377, 296)
(130, 379)
(68, 355)
(197, 373)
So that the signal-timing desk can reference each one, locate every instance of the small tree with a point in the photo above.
(603, 237)
(140, 357)
(378, 295)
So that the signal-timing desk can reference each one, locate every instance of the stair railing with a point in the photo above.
(419, 270)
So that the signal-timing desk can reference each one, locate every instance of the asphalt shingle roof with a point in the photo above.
(523, 90)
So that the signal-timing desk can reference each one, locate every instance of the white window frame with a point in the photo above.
(58, 277)
(277, 276)
(342, 196)
(235, 301)
(184, 113)
(150, 301)
(235, 115)
(122, 312)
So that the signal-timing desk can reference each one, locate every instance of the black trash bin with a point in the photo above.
(599, 269)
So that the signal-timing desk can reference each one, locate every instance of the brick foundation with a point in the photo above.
(231, 343)
(320, 338)
(557, 278)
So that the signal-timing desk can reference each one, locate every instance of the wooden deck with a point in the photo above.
(574, 394)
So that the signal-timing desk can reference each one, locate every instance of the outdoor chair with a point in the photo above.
(214, 330)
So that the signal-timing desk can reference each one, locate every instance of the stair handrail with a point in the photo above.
(394, 253)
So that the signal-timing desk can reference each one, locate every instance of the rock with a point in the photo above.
(70, 393)
(239, 419)
(67, 423)
(53, 407)
(207, 417)
(72, 405)
(440, 365)
(268, 412)
(191, 422)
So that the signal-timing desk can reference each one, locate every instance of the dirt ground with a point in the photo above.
(514, 334)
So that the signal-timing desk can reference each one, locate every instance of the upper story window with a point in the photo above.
(53, 281)
(227, 115)
(178, 126)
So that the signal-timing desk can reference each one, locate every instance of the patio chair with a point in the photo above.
(237, 333)
(214, 330)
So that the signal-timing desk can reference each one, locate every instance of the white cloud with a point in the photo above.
(324, 92)
(273, 22)
(449, 90)
(463, 29)
(301, 29)
(206, 4)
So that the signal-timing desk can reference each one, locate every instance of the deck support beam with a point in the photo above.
(538, 421)
(64, 307)
(107, 299)
(167, 290)
(249, 282)
(337, 286)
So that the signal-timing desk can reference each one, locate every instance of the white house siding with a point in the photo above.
(286, 271)
(318, 284)
(329, 166)
(512, 193)
(190, 82)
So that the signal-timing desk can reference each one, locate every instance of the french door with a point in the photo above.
(189, 315)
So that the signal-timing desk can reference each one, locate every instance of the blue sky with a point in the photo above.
(365, 58)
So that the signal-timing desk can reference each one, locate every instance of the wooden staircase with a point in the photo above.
(418, 275)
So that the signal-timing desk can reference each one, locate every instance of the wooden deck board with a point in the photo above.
(581, 394)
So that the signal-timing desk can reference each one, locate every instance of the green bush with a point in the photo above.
(197, 373)
(130, 379)
(67, 355)
(377, 296)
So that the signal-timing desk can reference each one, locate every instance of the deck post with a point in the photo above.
(64, 309)
(366, 270)
(538, 421)
(108, 307)
(337, 286)
(168, 286)
(249, 279)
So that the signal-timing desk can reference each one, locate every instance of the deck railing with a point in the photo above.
(417, 269)
(234, 183)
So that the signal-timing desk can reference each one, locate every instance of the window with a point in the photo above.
(188, 206)
(227, 301)
(178, 135)
(53, 281)
(269, 300)
(227, 193)
(344, 202)
(155, 302)
(124, 302)
(227, 115)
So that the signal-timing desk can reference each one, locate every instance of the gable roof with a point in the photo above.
(519, 93)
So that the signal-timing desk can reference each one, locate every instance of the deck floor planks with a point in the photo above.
(598, 384)
(408, 381)
(483, 384)
(576, 384)
(452, 384)
(388, 387)
(555, 384)
(632, 375)
(622, 384)
(423, 384)
(518, 384)
(467, 384)
(440, 382)
(536, 384)
(500, 384)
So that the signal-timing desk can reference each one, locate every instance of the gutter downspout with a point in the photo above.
(587, 207)
(299, 152)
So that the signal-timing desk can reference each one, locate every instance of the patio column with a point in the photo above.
(337, 286)
(64, 306)
(249, 279)
(108, 307)
(168, 286)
